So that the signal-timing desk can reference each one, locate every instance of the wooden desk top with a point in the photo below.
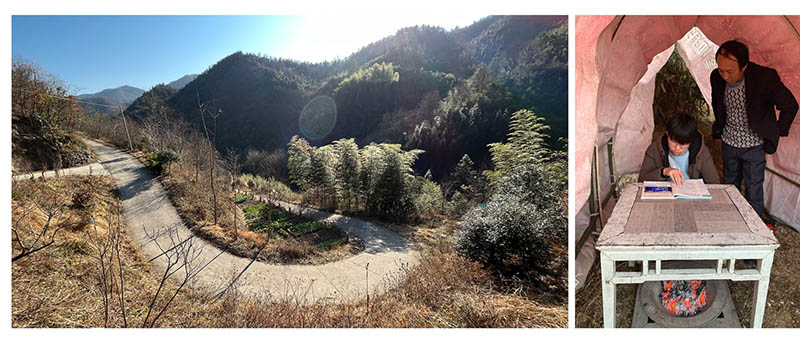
(724, 220)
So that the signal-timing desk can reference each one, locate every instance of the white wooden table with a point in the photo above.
(722, 229)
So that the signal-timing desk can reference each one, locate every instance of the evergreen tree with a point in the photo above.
(463, 177)
(526, 217)
(391, 199)
(363, 97)
(322, 175)
(299, 162)
(347, 169)
(525, 147)
(371, 166)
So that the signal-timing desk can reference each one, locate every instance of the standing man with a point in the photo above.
(744, 96)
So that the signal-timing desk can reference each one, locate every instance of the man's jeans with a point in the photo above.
(748, 164)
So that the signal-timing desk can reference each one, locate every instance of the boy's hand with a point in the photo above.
(674, 174)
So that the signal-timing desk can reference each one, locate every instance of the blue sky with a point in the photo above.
(92, 53)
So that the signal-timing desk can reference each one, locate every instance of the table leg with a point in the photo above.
(609, 290)
(760, 290)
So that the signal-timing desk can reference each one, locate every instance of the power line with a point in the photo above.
(96, 104)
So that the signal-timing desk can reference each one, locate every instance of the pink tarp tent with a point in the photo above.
(616, 60)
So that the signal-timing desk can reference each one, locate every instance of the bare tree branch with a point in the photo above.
(30, 239)
(180, 255)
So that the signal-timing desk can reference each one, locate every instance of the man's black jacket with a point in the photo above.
(764, 92)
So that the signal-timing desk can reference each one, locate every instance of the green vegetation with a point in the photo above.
(525, 222)
(161, 161)
(328, 245)
(240, 198)
(284, 223)
(677, 91)
(457, 107)
(376, 179)
(449, 93)
(152, 103)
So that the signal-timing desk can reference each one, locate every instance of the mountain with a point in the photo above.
(259, 100)
(449, 93)
(180, 83)
(497, 41)
(534, 70)
(123, 95)
(152, 103)
(101, 105)
(108, 101)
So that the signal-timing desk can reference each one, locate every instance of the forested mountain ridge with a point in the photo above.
(446, 92)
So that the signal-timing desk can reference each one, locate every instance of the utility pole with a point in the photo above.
(128, 133)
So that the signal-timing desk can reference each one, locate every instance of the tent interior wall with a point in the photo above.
(616, 60)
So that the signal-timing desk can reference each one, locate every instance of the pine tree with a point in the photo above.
(463, 177)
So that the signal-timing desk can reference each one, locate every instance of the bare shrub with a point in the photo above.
(105, 246)
(180, 256)
(27, 237)
(267, 164)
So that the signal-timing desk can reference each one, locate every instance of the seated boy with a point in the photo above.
(680, 154)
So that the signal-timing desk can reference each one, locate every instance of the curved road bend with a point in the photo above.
(148, 212)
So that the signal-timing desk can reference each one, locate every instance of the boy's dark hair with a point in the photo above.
(734, 49)
(682, 128)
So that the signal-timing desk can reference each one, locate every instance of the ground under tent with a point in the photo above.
(616, 61)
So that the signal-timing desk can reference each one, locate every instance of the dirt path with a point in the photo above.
(155, 225)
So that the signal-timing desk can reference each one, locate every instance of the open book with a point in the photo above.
(690, 189)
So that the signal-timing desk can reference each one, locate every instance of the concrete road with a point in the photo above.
(155, 225)
(89, 169)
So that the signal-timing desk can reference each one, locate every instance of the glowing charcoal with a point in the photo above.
(683, 298)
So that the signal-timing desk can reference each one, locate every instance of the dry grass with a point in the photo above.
(445, 290)
(59, 287)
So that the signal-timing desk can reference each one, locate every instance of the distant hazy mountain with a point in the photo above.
(101, 105)
(180, 83)
(124, 94)
(109, 100)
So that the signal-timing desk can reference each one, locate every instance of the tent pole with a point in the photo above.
(595, 205)
(593, 217)
(611, 166)
(784, 177)
(794, 30)
(614, 34)
(597, 180)
(593, 194)
(592, 214)
(593, 202)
